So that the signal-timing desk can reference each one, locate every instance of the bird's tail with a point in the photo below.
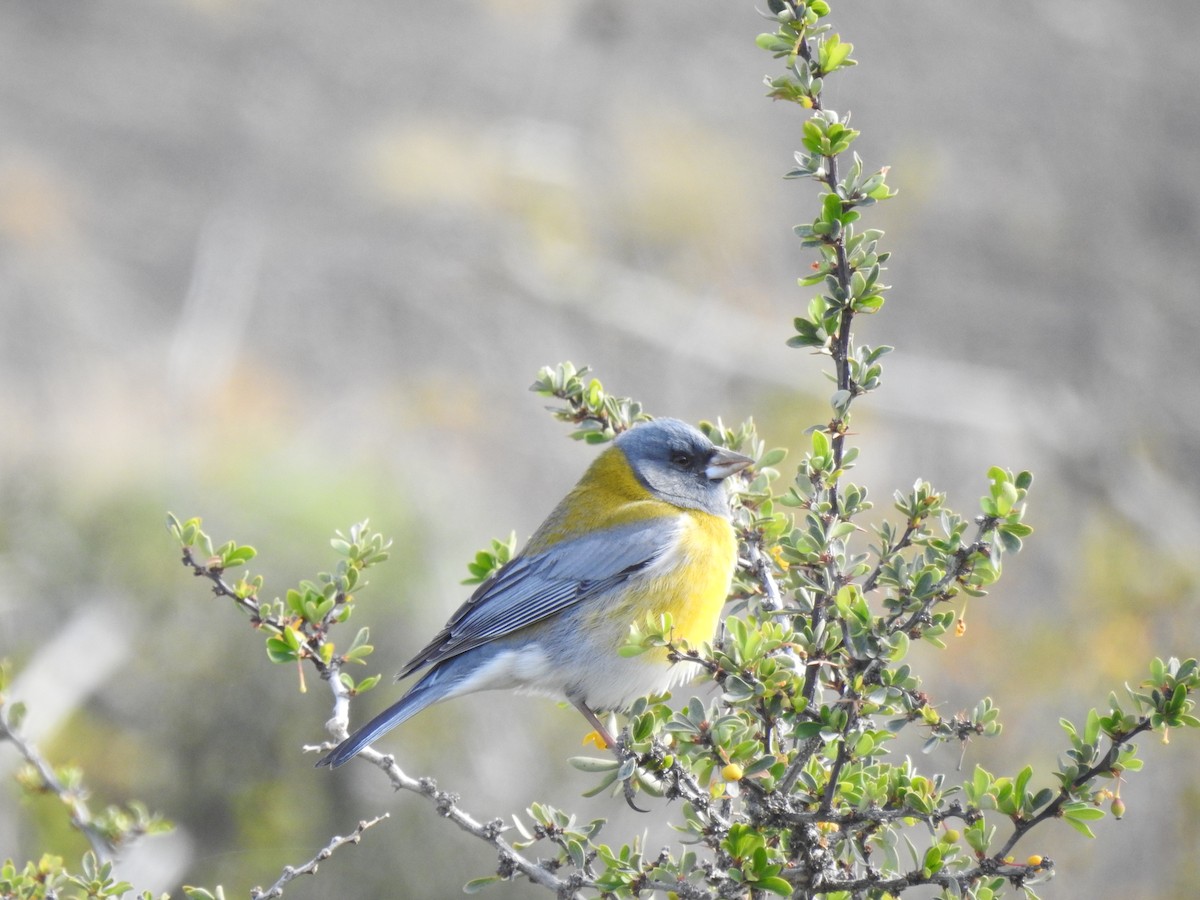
(425, 692)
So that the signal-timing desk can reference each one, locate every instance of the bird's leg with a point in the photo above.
(622, 752)
(609, 743)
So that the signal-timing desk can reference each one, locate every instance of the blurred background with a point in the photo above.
(287, 266)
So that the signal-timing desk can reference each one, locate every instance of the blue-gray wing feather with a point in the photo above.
(532, 587)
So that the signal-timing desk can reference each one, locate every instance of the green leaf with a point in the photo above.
(1091, 730)
(591, 764)
(773, 43)
(475, 885)
(280, 650)
(775, 885)
(16, 714)
(1041, 798)
(1081, 827)
(1078, 814)
(834, 54)
(773, 457)
(804, 730)
(820, 443)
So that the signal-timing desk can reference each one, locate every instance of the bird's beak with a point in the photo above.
(724, 463)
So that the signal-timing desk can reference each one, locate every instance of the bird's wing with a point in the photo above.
(531, 587)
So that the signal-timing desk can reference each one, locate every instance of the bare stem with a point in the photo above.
(310, 867)
(74, 799)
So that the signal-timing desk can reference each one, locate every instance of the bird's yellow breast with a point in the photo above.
(694, 581)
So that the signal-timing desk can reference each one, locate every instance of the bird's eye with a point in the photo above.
(681, 459)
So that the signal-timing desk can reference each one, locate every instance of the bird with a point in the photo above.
(647, 530)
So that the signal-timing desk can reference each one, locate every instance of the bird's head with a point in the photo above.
(680, 465)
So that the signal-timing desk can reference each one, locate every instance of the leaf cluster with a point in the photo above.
(107, 831)
(597, 415)
(297, 625)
